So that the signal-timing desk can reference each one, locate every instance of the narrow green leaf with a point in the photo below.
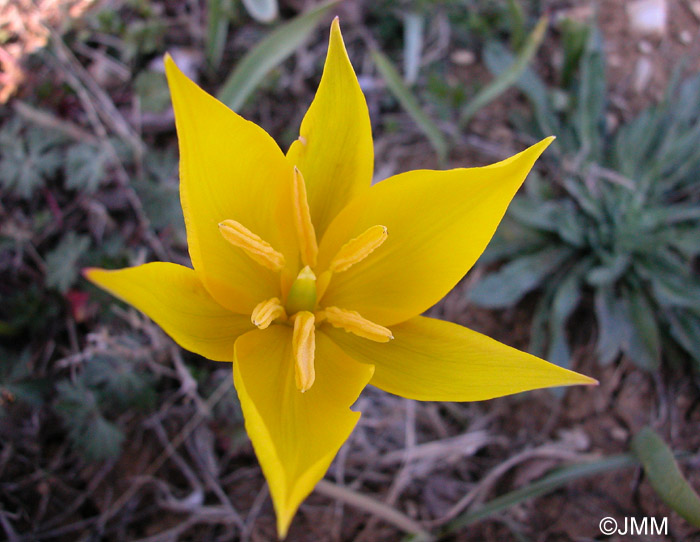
(609, 271)
(591, 96)
(574, 35)
(537, 214)
(508, 77)
(565, 301)
(549, 483)
(611, 325)
(410, 103)
(498, 60)
(412, 45)
(644, 340)
(685, 329)
(217, 30)
(516, 23)
(268, 54)
(664, 475)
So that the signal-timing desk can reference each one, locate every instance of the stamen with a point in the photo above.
(354, 323)
(260, 251)
(266, 312)
(302, 221)
(357, 249)
(303, 346)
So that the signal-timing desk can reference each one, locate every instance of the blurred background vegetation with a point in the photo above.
(110, 432)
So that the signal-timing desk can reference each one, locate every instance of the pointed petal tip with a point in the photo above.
(542, 145)
(169, 63)
(284, 520)
(578, 379)
(335, 30)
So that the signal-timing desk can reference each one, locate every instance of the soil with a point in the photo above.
(148, 495)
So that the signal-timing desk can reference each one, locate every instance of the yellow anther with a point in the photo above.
(260, 251)
(357, 249)
(302, 221)
(303, 347)
(354, 323)
(267, 312)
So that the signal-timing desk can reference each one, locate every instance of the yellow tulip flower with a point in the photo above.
(312, 281)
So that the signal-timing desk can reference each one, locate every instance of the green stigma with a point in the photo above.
(302, 295)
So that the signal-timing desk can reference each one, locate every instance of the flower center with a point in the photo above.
(302, 294)
(301, 306)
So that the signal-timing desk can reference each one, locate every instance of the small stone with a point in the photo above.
(685, 37)
(614, 61)
(648, 16)
(695, 8)
(642, 74)
(463, 57)
(619, 434)
(645, 47)
(580, 14)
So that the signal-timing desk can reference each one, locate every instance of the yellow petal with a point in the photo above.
(295, 435)
(230, 169)
(334, 151)
(432, 360)
(175, 299)
(439, 222)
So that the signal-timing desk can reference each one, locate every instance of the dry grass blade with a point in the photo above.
(376, 508)
(107, 110)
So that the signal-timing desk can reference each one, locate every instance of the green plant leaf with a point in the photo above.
(574, 36)
(564, 302)
(610, 271)
(217, 30)
(610, 319)
(94, 436)
(664, 475)
(410, 103)
(413, 45)
(591, 96)
(516, 23)
(551, 482)
(643, 343)
(685, 329)
(538, 214)
(513, 280)
(62, 261)
(512, 240)
(28, 157)
(508, 77)
(268, 54)
(86, 167)
(152, 89)
(498, 60)
(16, 380)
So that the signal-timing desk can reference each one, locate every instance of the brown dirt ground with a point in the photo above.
(598, 421)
